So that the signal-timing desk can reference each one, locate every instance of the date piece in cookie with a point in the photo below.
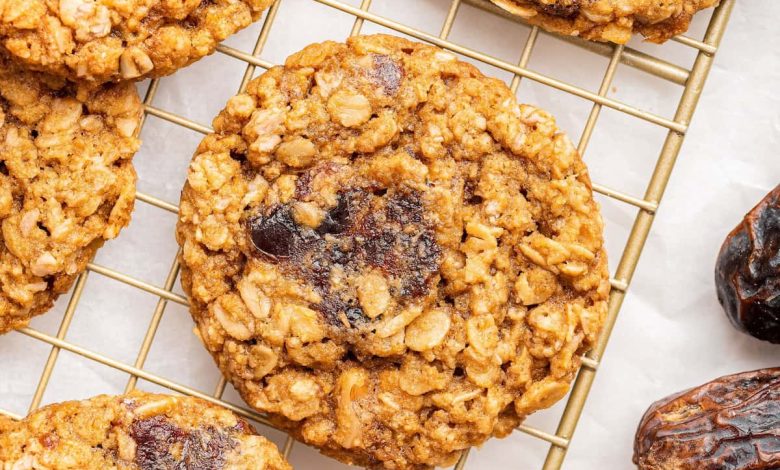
(106, 40)
(139, 431)
(609, 20)
(390, 256)
(67, 183)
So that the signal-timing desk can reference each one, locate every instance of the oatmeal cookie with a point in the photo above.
(109, 40)
(139, 431)
(66, 183)
(609, 20)
(390, 256)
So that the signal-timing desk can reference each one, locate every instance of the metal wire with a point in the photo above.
(692, 80)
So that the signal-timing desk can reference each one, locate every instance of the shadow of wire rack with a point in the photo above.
(692, 81)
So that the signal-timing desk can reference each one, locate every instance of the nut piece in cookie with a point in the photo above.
(99, 41)
(609, 21)
(66, 183)
(139, 431)
(388, 255)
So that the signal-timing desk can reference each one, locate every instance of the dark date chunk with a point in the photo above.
(156, 438)
(277, 235)
(337, 220)
(387, 74)
(731, 423)
(564, 8)
(369, 229)
(747, 274)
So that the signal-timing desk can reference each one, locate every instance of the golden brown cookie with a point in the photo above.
(390, 256)
(609, 20)
(67, 183)
(139, 431)
(108, 40)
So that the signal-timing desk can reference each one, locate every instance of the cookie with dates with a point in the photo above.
(100, 41)
(138, 431)
(609, 20)
(388, 255)
(67, 183)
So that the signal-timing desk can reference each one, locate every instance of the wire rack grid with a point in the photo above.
(692, 81)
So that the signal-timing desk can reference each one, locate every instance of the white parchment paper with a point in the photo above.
(671, 333)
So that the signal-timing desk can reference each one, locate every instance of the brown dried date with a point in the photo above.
(731, 423)
(747, 274)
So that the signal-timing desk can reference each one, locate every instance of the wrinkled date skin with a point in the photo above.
(747, 274)
(731, 423)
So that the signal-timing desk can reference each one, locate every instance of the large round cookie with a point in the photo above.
(66, 183)
(609, 20)
(108, 40)
(139, 431)
(388, 255)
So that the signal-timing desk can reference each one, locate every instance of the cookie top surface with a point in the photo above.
(139, 431)
(609, 20)
(389, 255)
(107, 40)
(66, 183)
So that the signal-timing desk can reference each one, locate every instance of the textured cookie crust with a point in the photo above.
(66, 183)
(110, 40)
(137, 431)
(609, 20)
(390, 256)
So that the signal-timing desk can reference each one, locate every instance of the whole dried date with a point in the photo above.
(747, 274)
(731, 423)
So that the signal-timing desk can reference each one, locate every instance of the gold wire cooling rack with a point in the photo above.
(692, 80)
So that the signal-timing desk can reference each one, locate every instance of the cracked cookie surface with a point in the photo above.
(138, 431)
(67, 183)
(390, 256)
(99, 41)
(609, 20)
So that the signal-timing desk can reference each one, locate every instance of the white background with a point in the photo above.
(671, 333)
